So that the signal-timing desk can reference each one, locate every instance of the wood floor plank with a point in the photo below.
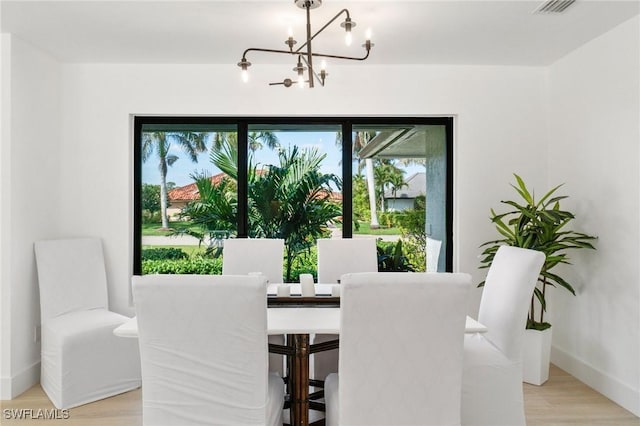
(562, 401)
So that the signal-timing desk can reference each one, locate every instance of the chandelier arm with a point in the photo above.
(258, 49)
(323, 28)
(323, 55)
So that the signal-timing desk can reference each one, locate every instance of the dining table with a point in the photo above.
(299, 318)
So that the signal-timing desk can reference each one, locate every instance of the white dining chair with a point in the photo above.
(401, 350)
(242, 256)
(433, 254)
(338, 256)
(203, 345)
(81, 360)
(492, 377)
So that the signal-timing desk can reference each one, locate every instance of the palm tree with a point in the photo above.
(360, 140)
(213, 212)
(386, 173)
(191, 143)
(293, 201)
(257, 140)
(290, 200)
(397, 182)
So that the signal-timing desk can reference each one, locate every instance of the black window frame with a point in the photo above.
(242, 125)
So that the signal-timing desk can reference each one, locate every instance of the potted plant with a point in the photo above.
(538, 225)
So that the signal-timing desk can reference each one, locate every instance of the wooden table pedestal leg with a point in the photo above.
(300, 379)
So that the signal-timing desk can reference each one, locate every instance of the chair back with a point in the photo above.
(71, 276)
(401, 348)
(243, 255)
(203, 348)
(341, 256)
(433, 254)
(507, 296)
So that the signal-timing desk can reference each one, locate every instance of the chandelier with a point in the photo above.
(305, 54)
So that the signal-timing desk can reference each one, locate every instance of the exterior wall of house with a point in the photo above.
(593, 148)
(436, 196)
(399, 204)
(174, 209)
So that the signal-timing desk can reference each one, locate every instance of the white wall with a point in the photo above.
(499, 130)
(594, 148)
(30, 192)
(5, 134)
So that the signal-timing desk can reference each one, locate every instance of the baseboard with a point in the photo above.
(11, 387)
(5, 388)
(620, 393)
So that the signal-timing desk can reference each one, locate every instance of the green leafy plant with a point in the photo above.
(537, 225)
(391, 258)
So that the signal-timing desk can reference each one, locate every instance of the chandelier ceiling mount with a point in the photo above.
(305, 54)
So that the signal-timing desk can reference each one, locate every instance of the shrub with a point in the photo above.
(414, 250)
(164, 253)
(305, 263)
(411, 221)
(386, 219)
(194, 265)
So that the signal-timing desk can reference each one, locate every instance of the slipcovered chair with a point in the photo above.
(82, 361)
(492, 376)
(203, 345)
(433, 254)
(241, 256)
(401, 350)
(337, 257)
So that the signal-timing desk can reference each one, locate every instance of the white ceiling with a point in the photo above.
(217, 32)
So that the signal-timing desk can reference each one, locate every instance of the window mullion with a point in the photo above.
(243, 196)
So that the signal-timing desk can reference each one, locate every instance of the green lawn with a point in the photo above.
(365, 228)
(154, 229)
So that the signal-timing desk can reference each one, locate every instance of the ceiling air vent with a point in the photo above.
(554, 6)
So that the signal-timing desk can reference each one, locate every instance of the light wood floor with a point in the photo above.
(563, 400)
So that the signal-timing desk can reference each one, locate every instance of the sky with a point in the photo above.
(179, 173)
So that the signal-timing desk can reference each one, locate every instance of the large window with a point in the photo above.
(201, 180)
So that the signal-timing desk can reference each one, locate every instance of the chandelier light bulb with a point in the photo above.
(368, 34)
(348, 38)
(301, 82)
(323, 65)
(244, 67)
(290, 32)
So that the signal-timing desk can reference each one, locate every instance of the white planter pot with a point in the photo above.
(535, 356)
